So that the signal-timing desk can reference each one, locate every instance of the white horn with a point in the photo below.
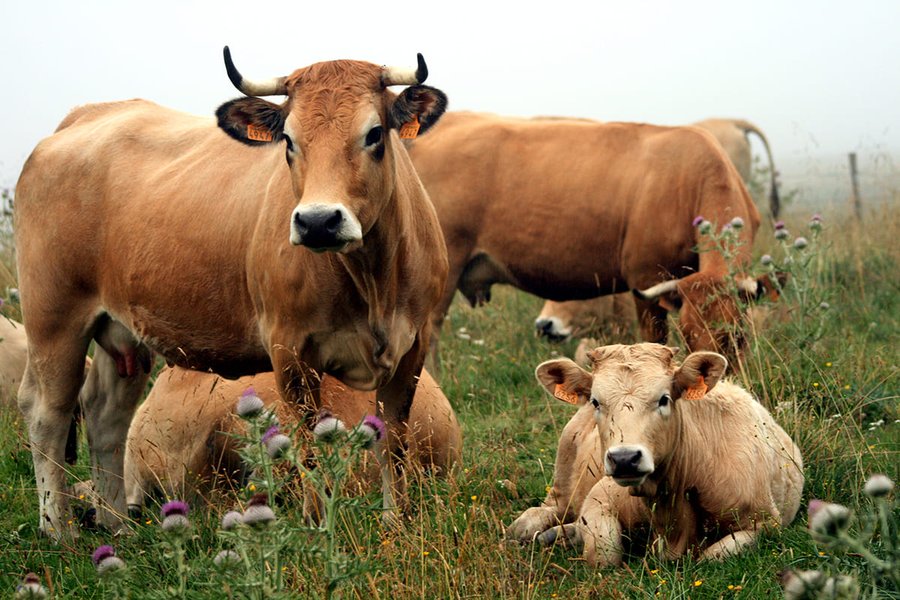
(271, 87)
(748, 285)
(658, 290)
(405, 75)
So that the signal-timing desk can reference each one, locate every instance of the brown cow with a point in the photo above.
(732, 135)
(568, 209)
(697, 458)
(308, 245)
(181, 438)
(557, 320)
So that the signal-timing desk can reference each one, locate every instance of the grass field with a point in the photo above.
(830, 378)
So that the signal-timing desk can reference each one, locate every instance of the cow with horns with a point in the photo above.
(306, 246)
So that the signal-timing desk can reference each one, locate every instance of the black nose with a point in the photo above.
(544, 326)
(625, 462)
(318, 229)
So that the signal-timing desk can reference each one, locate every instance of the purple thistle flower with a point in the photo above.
(878, 486)
(697, 220)
(782, 234)
(375, 424)
(231, 519)
(175, 507)
(800, 243)
(766, 260)
(277, 445)
(816, 217)
(102, 553)
(249, 405)
(329, 429)
(258, 512)
(737, 222)
(779, 225)
(30, 588)
(269, 434)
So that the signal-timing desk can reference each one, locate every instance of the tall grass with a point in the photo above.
(837, 396)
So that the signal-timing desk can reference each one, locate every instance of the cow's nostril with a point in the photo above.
(635, 459)
(301, 223)
(544, 326)
(334, 221)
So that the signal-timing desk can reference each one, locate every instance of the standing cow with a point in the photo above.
(558, 320)
(671, 445)
(569, 209)
(292, 237)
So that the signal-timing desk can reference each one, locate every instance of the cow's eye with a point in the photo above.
(374, 136)
(287, 140)
(664, 400)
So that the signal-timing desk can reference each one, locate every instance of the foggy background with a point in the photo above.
(819, 78)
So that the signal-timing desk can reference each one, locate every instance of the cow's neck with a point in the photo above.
(375, 268)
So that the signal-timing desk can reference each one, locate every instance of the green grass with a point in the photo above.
(451, 545)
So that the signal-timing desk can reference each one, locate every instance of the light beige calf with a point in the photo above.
(708, 458)
(13, 353)
(179, 439)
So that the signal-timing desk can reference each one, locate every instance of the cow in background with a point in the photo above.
(293, 238)
(558, 321)
(181, 440)
(573, 209)
(696, 457)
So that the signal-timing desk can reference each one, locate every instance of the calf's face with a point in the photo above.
(636, 391)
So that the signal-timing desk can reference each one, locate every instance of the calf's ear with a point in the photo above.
(699, 373)
(565, 380)
(416, 109)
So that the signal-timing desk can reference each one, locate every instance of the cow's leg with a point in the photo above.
(393, 402)
(607, 508)
(47, 398)
(652, 319)
(109, 400)
(533, 522)
(731, 544)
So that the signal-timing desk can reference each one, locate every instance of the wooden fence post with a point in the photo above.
(854, 182)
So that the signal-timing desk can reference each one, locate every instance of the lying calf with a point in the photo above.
(179, 439)
(704, 465)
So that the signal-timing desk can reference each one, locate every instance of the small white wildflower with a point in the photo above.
(766, 260)
(878, 486)
(800, 243)
(737, 222)
(704, 227)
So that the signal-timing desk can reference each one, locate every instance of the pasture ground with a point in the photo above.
(835, 392)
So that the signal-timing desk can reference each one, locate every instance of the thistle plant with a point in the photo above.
(30, 589)
(800, 258)
(873, 536)
(112, 571)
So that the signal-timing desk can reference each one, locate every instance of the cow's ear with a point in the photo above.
(416, 109)
(251, 120)
(699, 373)
(564, 380)
(670, 299)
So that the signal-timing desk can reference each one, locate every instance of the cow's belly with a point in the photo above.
(351, 355)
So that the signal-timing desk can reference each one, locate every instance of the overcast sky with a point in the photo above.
(819, 77)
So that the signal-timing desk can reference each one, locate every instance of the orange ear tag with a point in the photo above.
(560, 393)
(259, 134)
(409, 131)
(696, 391)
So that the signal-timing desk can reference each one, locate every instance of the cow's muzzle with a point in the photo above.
(628, 465)
(324, 227)
(552, 329)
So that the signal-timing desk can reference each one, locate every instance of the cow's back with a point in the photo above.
(127, 197)
(572, 206)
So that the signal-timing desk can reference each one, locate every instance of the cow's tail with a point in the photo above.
(774, 200)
